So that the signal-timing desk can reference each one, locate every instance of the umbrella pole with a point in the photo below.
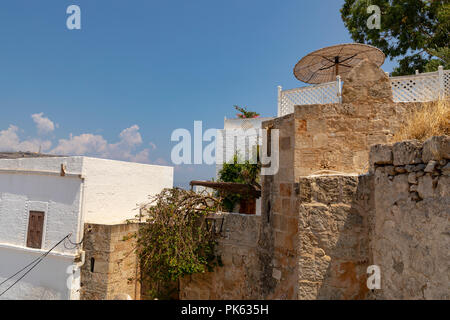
(336, 61)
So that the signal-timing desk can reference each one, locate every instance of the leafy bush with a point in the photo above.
(239, 172)
(245, 114)
(175, 239)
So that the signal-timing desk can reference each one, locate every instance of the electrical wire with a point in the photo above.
(35, 262)
(74, 244)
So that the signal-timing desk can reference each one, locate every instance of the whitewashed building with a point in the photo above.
(239, 136)
(42, 200)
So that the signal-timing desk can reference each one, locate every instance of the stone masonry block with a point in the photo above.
(436, 148)
(380, 154)
(407, 152)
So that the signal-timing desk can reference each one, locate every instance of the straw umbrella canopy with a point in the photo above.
(325, 64)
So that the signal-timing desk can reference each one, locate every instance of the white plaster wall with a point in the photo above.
(114, 188)
(50, 280)
(238, 138)
(60, 199)
(245, 140)
(108, 194)
(73, 164)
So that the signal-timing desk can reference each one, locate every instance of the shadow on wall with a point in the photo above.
(334, 218)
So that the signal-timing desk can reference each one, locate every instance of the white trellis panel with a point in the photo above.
(447, 82)
(318, 94)
(416, 88)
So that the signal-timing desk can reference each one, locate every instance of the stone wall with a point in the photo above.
(239, 276)
(278, 243)
(319, 233)
(338, 136)
(335, 213)
(411, 240)
(110, 269)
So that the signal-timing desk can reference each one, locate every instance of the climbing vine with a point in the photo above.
(175, 239)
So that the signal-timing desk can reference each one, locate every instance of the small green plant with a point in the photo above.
(238, 171)
(175, 239)
(245, 114)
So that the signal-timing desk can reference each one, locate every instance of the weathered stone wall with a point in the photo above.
(338, 136)
(411, 240)
(238, 278)
(110, 269)
(334, 221)
(318, 234)
(278, 243)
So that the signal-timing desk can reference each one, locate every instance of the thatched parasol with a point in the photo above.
(325, 64)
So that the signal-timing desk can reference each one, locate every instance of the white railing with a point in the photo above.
(324, 93)
(415, 88)
(421, 87)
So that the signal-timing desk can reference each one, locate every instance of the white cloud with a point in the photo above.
(10, 141)
(131, 136)
(141, 157)
(44, 125)
(95, 145)
(127, 147)
(79, 145)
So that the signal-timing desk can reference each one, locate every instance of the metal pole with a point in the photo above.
(339, 88)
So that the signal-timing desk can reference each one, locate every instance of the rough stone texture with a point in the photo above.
(319, 233)
(366, 81)
(334, 237)
(407, 152)
(278, 243)
(338, 137)
(115, 267)
(239, 276)
(436, 148)
(411, 238)
(380, 154)
(271, 272)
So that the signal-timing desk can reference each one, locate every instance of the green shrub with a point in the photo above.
(175, 239)
(239, 172)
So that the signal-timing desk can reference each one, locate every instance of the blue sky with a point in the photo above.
(137, 70)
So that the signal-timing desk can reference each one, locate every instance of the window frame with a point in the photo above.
(35, 243)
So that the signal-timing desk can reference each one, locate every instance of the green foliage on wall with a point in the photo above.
(238, 171)
(175, 239)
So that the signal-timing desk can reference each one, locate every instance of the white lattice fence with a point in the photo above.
(318, 94)
(447, 82)
(416, 88)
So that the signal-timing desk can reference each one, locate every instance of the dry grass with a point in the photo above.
(431, 119)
